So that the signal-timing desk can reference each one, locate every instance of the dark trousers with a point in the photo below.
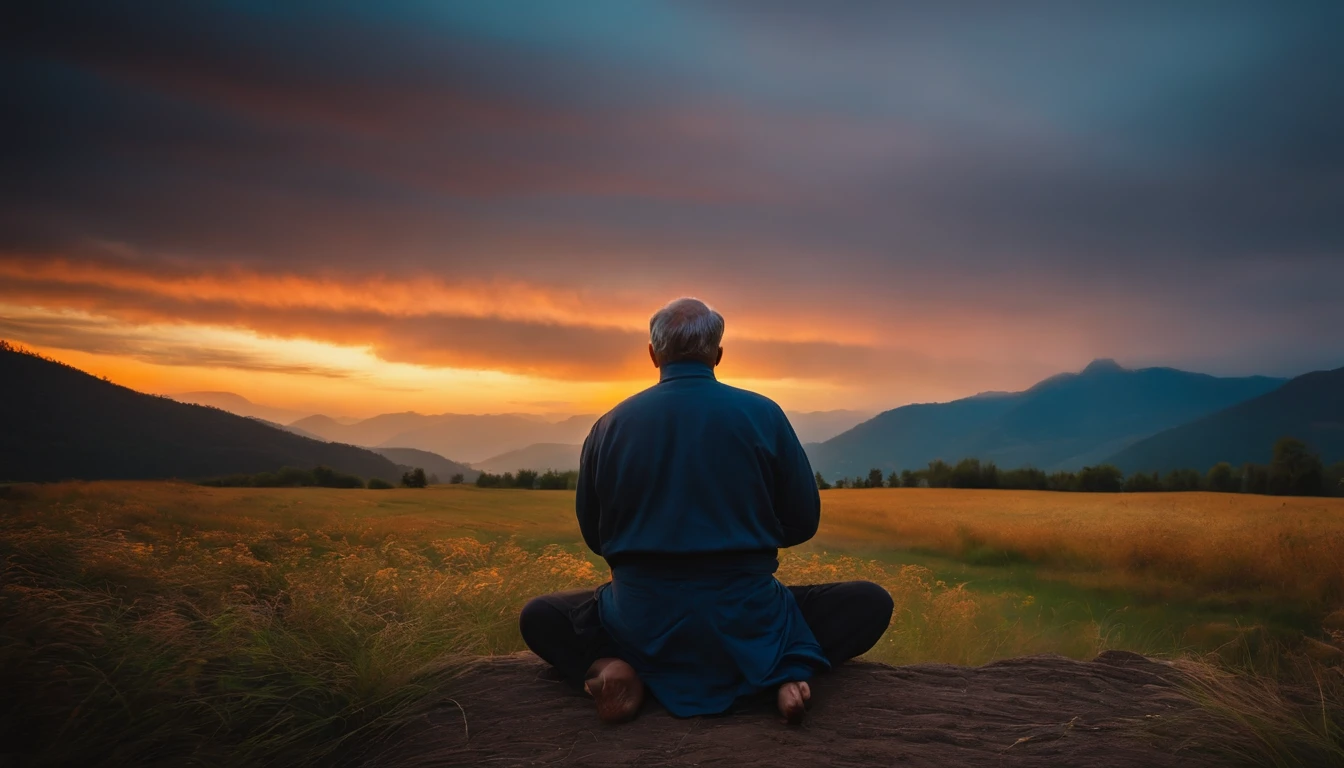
(847, 618)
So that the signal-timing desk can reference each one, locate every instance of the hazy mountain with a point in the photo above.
(465, 437)
(562, 457)
(240, 405)
(815, 426)
(477, 438)
(908, 437)
(1064, 422)
(1309, 407)
(61, 423)
(367, 432)
(291, 430)
(432, 463)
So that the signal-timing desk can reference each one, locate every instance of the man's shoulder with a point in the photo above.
(653, 397)
(749, 399)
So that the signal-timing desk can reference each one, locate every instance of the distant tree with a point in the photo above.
(415, 478)
(840, 483)
(378, 484)
(966, 474)
(1103, 478)
(1222, 478)
(1143, 482)
(433, 479)
(1182, 480)
(290, 477)
(874, 478)
(822, 485)
(456, 479)
(1025, 479)
(1062, 481)
(1295, 470)
(894, 479)
(989, 475)
(1334, 479)
(525, 478)
(1254, 478)
(909, 479)
(550, 480)
(506, 480)
(326, 477)
(939, 474)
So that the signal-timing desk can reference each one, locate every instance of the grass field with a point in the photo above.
(271, 626)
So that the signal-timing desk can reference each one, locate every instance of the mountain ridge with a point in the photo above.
(1062, 422)
(561, 457)
(1309, 407)
(63, 423)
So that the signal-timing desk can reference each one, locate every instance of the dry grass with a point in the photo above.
(1167, 544)
(142, 645)
(186, 625)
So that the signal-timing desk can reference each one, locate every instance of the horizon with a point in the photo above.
(479, 212)
(555, 417)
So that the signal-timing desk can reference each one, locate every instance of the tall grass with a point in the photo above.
(280, 647)
(153, 631)
(1240, 549)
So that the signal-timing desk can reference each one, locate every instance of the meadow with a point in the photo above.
(164, 622)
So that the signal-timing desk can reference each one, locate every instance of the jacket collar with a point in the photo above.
(685, 369)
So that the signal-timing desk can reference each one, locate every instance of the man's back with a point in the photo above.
(690, 466)
(689, 489)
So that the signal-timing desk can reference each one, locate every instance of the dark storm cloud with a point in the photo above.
(1157, 154)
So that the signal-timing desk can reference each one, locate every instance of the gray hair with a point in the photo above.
(686, 328)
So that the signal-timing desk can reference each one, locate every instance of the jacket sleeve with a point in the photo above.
(797, 502)
(585, 500)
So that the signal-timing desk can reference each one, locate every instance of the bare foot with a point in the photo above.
(792, 701)
(616, 688)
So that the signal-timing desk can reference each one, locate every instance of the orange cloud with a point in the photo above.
(505, 326)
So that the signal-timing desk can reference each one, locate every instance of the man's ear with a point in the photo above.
(653, 356)
(717, 358)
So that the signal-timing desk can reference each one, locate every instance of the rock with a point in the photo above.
(1120, 710)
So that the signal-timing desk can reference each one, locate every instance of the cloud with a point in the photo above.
(98, 336)
(509, 328)
(892, 194)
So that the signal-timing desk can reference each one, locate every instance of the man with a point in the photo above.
(688, 489)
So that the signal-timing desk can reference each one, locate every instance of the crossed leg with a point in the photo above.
(847, 618)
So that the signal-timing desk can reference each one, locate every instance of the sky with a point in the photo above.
(474, 207)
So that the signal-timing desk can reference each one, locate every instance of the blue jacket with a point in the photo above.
(687, 489)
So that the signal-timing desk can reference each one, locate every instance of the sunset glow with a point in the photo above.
(479, 211)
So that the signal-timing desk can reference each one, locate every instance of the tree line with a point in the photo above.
(550, 480)
(319, 477)
(293, 477)
(1294, 470)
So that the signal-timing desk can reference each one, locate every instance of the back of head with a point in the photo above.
(686, 329)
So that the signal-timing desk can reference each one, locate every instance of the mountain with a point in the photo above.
(1064, 422)
(466, 437)
(367, 432)
(908, 437)
(228, 401)
(432, 463)
(1309, 407)
(477, 438)
(561, 457)
(815, 426)
(290, 430)
(61, 423)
